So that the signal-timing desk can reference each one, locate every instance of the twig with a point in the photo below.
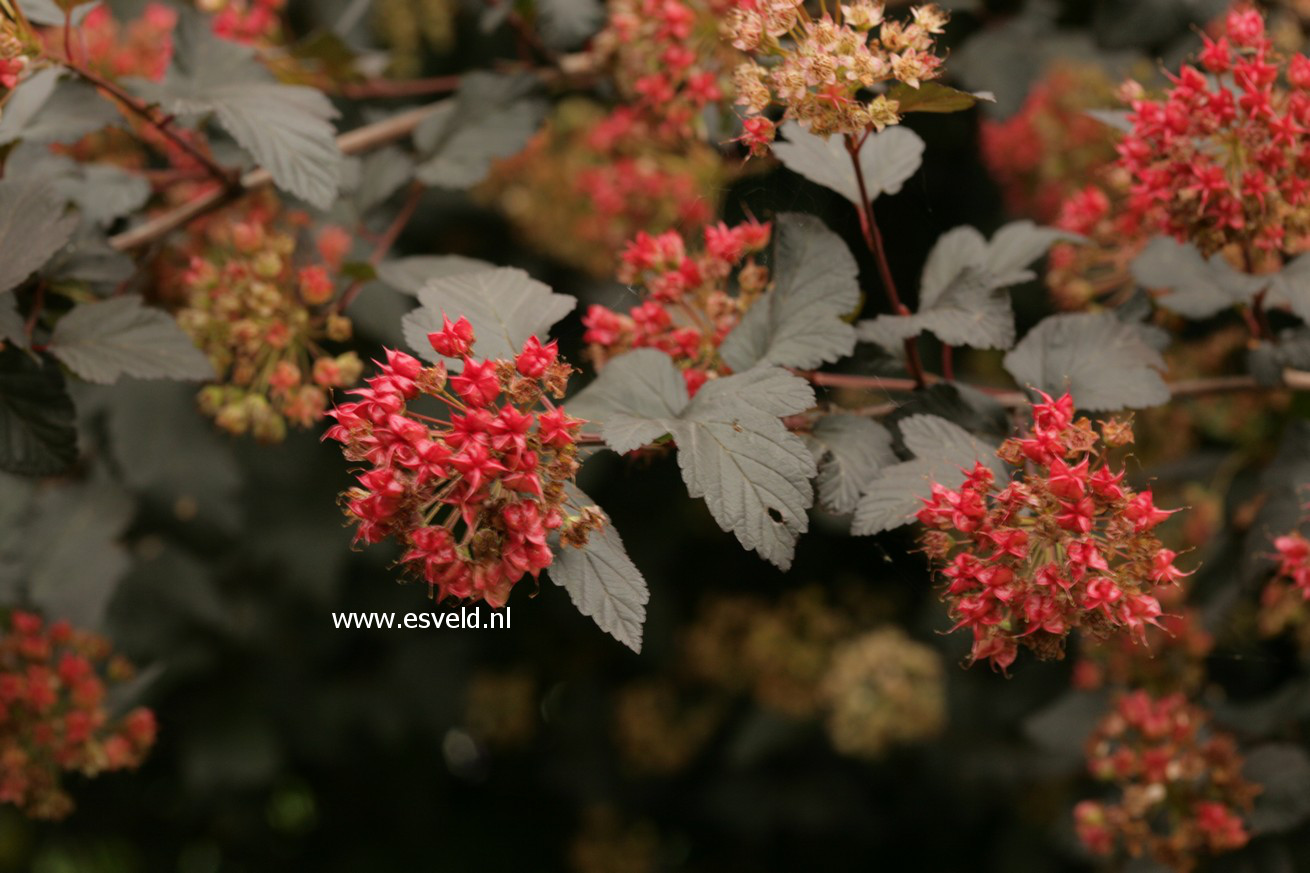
(873, 239)
(384, 88)
(1297, 380)
(385, 242)
(219, 172)
(361, 139)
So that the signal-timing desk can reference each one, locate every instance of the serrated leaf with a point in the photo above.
(410, 275)
(943, 452)
(851, 450)
(286, 128)
(381, 174)
(1282, 770)
(960, 299)
(732, 448)
(73, 560)
(799, 322)
(754, 474)
(888, 159)
(89, 258)
(33, 227)
(602, 581)
(936, 97)
(1104, 363)
(48, 107)
(101, 192)
(37, 432)
(632, 399)
(121, 336)
(505, 306)
(1198, 287)
(1291, 286)
(490, 117)
(47, 12)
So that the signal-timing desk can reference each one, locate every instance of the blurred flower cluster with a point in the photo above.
(689, 309)
(667, 60)
(823, 70)
(1172, 657)
(53, 714)
(1181, 784)
(883, 689)
(248, 21)
(1067, 545)
(474, 495)
(587, 182)
(142, 47)
(1283, 603)
(261, 318)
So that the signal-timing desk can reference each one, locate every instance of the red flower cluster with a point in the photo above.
(667, 60)
(1283, 601)
(689, 310)
(1181, 784)
(1068, 545)
(1052, 146)
(587, 182)
(142, 47)
(261, 320)
(52, 714)
(248, 21)
(472, 497)
(1223, 159)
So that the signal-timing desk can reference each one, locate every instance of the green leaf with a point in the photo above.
(48, 107)
(1105, 364)
(102, 341)
(72, 559)
(491, 117)
(960, 294)
(37, 433)
(850, 451)
(799, 323)
(633, 399)
(602, 581)
(504, 305)
(1198, 288)
(286, 128)
(410, 275)
(732, 448)
(33, 227)
(936, 97)
(943, 452)
(888, 159)
(754, 474)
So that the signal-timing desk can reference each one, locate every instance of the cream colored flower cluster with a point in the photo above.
(822, 69)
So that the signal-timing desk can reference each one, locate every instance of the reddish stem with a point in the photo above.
(385, 243)
(384, 88)
(873, 239)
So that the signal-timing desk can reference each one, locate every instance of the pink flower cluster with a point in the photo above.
(53, 717)
(689, 309)
(1181, 784)
(472, 495)
(142, 47)
(1222, 159)
(1066, 545)
(248, 21)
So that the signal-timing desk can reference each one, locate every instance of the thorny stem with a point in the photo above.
(873, 239)
(219, 172)
(385, 243)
